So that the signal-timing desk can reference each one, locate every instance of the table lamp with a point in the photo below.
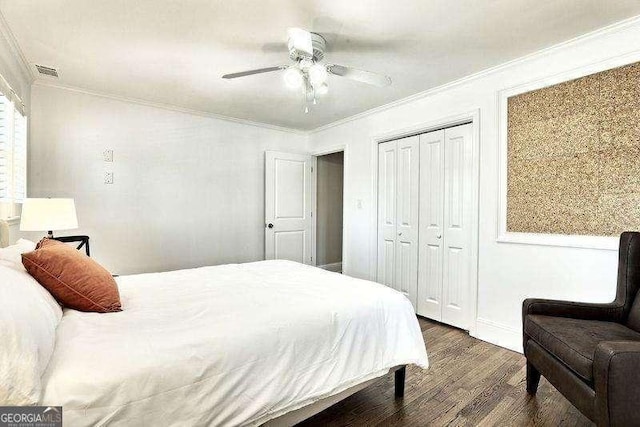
(48, 215)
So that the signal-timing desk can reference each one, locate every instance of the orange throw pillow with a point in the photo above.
(73, 278)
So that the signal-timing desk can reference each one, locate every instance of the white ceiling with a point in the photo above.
(174, 51)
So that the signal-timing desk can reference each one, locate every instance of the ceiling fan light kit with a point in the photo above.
(308, 72)
(293, 77)
(318, 74)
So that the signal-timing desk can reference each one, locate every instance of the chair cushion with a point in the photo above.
(574, 341)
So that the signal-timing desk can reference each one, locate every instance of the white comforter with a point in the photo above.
(235, 344)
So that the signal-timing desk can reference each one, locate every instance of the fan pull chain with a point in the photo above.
(306, 95)
(306, 100)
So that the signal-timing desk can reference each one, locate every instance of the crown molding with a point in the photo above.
(169, 107)
(26, 71)
(608, 30)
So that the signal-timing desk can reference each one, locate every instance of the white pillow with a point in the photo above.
(29, 316)
(11, 256)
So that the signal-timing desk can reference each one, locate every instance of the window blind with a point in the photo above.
(4, 148)
(13, 151)
(19, 163)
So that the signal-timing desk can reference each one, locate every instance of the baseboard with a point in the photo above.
(498, 334)
(335, 267)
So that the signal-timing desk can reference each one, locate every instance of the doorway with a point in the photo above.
(329, 228)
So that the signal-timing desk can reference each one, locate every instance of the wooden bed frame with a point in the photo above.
(299, 415)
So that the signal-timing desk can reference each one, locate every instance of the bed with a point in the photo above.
(269, 342)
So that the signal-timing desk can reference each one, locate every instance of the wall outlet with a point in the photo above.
(108, 177)
(359, 203)
(107, 155)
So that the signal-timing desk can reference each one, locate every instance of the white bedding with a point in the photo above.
(236, 344)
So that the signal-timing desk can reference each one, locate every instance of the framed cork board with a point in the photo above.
(571, 157)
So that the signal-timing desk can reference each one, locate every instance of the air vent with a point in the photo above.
(47, 71)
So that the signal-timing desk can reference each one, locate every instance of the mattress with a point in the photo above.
(236, 344)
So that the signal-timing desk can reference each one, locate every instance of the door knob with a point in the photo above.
(400, 234)
(270, 225)
(439, 236)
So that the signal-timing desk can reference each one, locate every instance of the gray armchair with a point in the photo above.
(591, 352)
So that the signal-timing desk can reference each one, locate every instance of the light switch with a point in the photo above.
(107, 155)
(359, 204)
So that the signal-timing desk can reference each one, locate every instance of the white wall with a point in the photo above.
(329, 175)
(508, 273)
(188, 190)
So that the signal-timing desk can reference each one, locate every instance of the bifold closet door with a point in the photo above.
(387, 167)
(445, 220)
(398, 187)
(458, 166)
(431, 215)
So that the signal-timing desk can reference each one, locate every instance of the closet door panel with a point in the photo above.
(456, 221)
(387, 171)
(408, 175)
(431, 225)
(385, 275)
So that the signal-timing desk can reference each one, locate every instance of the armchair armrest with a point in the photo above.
(611, 312)
(616, 375)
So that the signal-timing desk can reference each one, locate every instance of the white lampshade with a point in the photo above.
(48, 215)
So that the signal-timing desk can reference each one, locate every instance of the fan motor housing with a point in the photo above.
(319, 46)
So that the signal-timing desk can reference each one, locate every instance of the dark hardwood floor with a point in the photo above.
(469, 382)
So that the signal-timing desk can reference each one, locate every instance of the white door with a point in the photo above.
(288, 207)
(407, 217)
(445, 219)
(398, 181)
(431, 213)
(458, 165)
(387, 171)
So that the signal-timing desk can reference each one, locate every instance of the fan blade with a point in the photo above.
(360, 75)
(301, 40)
(251, 72)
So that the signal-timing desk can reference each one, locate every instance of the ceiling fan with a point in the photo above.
(309, 72)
